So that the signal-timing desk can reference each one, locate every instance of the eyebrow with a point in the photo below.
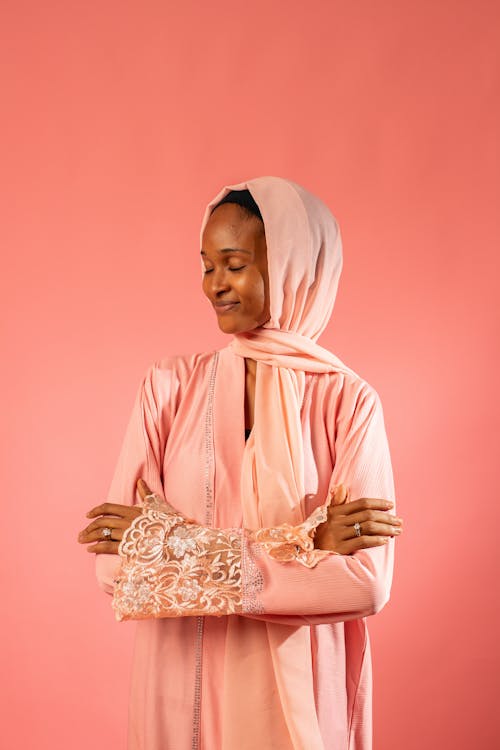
(230, 250)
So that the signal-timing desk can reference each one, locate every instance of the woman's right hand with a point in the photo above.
(338, 534)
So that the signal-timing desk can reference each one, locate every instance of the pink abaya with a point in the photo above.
(281, 658)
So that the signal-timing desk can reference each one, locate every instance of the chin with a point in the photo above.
(232, 326)
(228, 328)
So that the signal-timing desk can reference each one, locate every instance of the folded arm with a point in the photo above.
(274, 575)
(340, 587)
(172, 567)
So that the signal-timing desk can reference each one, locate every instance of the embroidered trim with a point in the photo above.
(209, 444)
(252, 580)
(200, 623)
(198, 647)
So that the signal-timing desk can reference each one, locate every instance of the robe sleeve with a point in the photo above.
(339, 587)
(173, 567)
(140, 456)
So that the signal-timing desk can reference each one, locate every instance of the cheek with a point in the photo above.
(252, 288)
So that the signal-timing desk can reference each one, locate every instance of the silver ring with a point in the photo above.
(357, 528)
(151, 494)
(106, 532)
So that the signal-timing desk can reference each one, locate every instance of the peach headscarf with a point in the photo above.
(304, 252)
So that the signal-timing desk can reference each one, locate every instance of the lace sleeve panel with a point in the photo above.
(173, 567)
(288, 543)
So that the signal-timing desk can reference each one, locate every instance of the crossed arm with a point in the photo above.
(173, 567)
(322, 572)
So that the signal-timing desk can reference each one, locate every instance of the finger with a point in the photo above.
(143, 488)
(371, 515)
(94, 530)
(362, 542)
(110, 521)
(365, 503)
(110, 548)
(371, 528)
(144, 491)
(111, 509)
(340, 494)
(97, 536)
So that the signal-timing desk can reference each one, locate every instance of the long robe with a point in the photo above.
(182, 683)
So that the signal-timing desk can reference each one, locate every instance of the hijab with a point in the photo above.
(304, 255)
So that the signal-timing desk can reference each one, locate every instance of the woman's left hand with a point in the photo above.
(115, 517)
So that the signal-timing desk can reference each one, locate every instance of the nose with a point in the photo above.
(219, 282)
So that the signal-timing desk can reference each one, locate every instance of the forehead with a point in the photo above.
(227, 217)
(229, 227)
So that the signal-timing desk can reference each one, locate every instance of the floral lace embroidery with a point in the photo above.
(288, 543)
(173, 567)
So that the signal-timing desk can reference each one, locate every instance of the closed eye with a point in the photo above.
(240, 268)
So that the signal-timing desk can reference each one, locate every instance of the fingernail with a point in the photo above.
(397, 531)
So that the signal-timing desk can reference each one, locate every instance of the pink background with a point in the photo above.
(121, 121)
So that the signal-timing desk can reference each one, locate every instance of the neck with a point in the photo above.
(250, 367)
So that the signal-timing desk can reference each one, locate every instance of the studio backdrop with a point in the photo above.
(120, 121)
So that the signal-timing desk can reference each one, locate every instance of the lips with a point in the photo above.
(225, 306)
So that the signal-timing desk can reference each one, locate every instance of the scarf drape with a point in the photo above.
(304, 253)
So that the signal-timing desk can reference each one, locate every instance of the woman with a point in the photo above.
(245, 527)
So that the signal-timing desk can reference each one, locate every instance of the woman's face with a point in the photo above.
(236, 279)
